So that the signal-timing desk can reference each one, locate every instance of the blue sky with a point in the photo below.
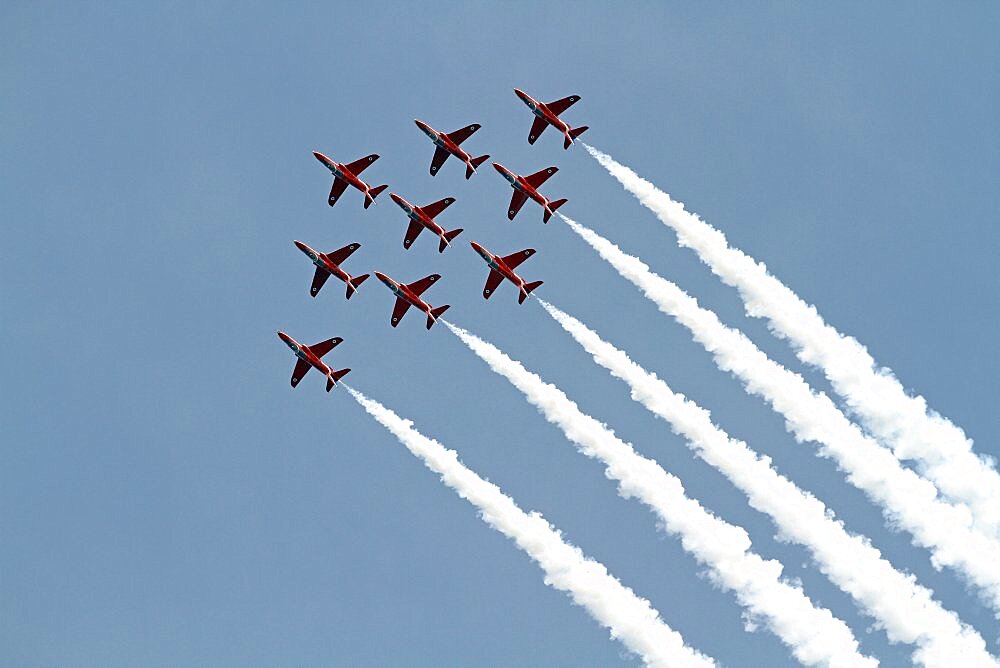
(167, 499)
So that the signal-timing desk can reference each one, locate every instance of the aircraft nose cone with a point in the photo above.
(382, 277)
(396, 198)
(301, 246)
(319, 156)
(497, 166)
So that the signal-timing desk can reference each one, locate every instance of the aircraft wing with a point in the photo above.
(540, 177)
(301, 367)
(339, 186)
(361, 164)
(492, 281)
(537, 127)
(323, 347)
(432, 210)
(459, 136)
(562, 105)
(342, 254)
(319, 278)
(517, 200)
(517, 258)
(419, 287)
(399, 310)
(440, 155)
(412, 232)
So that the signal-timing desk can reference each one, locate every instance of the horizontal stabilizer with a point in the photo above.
(528, 287)
(373, 193)
(448, 236)
(551, 208)
(573, 134)
(352, 285)
(470, 170)
(435, 314)
(335, 376)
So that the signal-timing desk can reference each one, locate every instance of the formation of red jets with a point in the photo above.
(423, 218)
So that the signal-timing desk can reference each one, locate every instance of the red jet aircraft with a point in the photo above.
(309, 358)
(503, 267)
(423, 216)
(447, 144)
(409, 295)
(344, 175)
(527, 186)
(548, 114)
(329, 263)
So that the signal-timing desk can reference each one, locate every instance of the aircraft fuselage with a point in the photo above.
(304, 354)
(323, 263)
(341, 172)
(518, 183)
(416, 215)
(542, 111)
(441, 140)
(496, 263)
(404, 293)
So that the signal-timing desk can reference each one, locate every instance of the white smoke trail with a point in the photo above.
(909, 501)
(941, 450)
(814, 635)
(630, 618)
(906, 610)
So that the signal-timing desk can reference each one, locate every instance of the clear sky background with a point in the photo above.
(167, 499)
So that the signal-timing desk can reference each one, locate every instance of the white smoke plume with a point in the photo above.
(630, 618)
(813, 634)
(940, 449)
(906, 610)
(908, 501)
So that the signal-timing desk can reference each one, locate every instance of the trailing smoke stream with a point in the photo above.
(813, 634)
(906, 610)
(941, 450)
(908, 501)
(631, 619)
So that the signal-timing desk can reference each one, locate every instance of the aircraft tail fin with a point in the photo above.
(435, 314)
(550, 208)
(352, 285)
(448, 236)
(372, 193)
(525, 289)
(475, 162)
(334, 376)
